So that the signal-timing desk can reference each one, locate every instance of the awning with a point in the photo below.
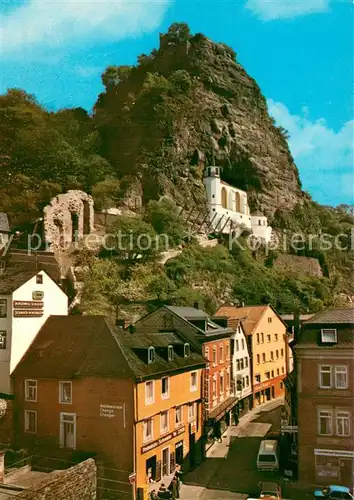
(218, 412)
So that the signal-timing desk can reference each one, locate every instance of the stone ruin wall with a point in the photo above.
(58, 221)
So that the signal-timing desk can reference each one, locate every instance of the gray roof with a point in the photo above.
(78, 346)
(188, 312)
(11, 281)
(4, 223)
(332, 316)
(290, 317)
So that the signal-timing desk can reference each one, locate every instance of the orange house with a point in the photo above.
(132, 401)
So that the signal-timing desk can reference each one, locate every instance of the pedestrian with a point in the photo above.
(174, 488)
(217, 432)
(236, 418)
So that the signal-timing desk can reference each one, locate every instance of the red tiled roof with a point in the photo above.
(249, 315)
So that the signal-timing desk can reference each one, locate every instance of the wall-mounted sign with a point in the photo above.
(28, 304)
(26, 313)
(289, 428)
(334, 453)
(37, 295)
(162, 440)
(109, 411)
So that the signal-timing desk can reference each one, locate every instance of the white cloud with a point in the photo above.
(40, 24)
(286, 9)
(324, 156)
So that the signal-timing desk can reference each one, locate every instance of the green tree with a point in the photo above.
(163, 215)
(114, 75)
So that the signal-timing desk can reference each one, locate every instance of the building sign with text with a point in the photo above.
(109, 411)
(162, 440)
(28, 309)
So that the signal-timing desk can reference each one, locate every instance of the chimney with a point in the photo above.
(2, 467)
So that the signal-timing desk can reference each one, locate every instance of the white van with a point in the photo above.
(268, 455)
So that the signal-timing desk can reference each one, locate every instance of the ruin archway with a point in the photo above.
(74, 226)
(86, 221)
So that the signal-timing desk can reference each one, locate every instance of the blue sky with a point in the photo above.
(299, 51)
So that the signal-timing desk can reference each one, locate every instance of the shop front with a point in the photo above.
(334, 466)
(220, 418)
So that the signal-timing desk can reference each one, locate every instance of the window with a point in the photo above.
(273, 375)
(165, 462)
(247, 381)
(187, 350)
(267, 375)
(282, 369)
(257, 378)
(263, 358)
(221, 353)
(262, 335)
(241, 364)
(206, 353)
(65, 392)
(39, 279)
(246, 362)
(30, 421)
(170, 352)
(341, 377)
(31, 390)
(151, 355)
(325, 377)
(325, 422)
(269, 320)
(194, 381)
(149, 392)
(3, 308)
(277, 353)
(227, 351)
(271, 355)
(278, 371)
(276, 337)
(179, 416)
(237, 364)
(148, 429)
(165, 387)
(282, 353)
(221, 383)
(329, 335)
(258, 359)
(237, 346)
(343, 423)
(2, 339)
(214, 387)
(243, 382)
(164, 421)
(191, 412)
(214, 355)
(268, 338)
(242, 344)
(257, 338)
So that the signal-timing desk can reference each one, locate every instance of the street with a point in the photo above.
(229, 471)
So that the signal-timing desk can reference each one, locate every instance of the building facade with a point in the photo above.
(27, 299)
(229, 209)
(268, 347)
(213, 341)
(132, 401)
(324, 353)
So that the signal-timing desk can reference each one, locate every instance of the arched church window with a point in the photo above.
(223, 197)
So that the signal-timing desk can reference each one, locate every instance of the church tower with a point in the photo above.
(212, 186)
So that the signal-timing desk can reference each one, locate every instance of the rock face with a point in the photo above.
(297, 264)
(189, 105)
(68, 218)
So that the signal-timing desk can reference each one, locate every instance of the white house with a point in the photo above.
(27, 299)
(241, 369)
(228, 207)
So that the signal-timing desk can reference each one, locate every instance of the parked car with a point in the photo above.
(268, 490)
(333, 492)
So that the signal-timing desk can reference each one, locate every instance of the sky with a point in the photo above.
(300, 52)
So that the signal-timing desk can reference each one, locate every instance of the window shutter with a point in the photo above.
(172, 462)
(158, 471)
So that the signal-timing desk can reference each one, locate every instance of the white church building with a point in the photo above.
(228, 207)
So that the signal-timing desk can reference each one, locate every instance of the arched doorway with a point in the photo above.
(223, 197)
(74, 226)
(238, 202)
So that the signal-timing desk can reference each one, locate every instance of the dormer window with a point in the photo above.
(151, 355)
(187, 350)
(170, 352)
(329, 336)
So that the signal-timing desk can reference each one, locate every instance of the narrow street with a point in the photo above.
(229, 471)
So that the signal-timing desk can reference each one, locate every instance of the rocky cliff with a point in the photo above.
(187, 105)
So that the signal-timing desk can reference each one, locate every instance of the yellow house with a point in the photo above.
(269, 350)
(168, 409)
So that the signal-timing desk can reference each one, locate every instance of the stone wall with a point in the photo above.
(68, 213)
(302, 265)
(77, 483)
